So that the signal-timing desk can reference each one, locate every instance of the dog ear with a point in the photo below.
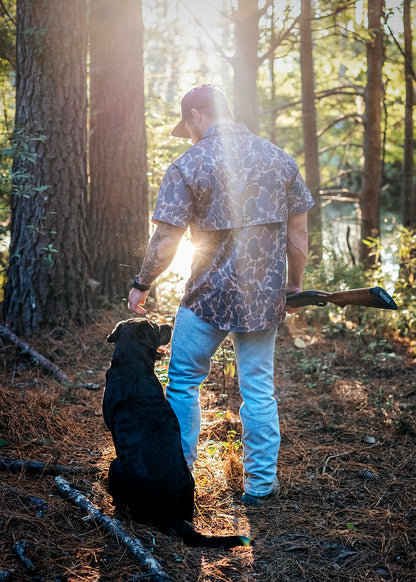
(165, 334)
(115, 334)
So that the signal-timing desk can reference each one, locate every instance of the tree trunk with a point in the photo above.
(409, 201)
(272, 76)
(310, 138)
(47, 275)
(370, 193)
(118, 213)
(245, 64)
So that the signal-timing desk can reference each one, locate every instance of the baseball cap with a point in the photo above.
(196, 99)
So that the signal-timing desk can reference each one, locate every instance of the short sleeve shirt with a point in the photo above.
(235, 190)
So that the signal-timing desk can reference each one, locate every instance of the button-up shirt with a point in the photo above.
(235, 190)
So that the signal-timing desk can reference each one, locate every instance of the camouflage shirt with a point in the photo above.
(235, 191)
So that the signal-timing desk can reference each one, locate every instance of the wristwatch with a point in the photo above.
(139, 286)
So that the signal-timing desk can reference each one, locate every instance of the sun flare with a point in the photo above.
(181, 264)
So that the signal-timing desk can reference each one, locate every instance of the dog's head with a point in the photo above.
(142, 331)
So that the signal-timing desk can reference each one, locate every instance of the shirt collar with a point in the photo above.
(226, 129)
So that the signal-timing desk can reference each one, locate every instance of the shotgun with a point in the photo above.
(367, 297)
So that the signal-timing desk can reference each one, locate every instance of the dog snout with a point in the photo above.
(165, 334)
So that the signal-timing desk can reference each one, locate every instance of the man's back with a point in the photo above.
(233, 178)
(235, 190)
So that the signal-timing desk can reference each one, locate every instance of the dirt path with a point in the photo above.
(347, 507)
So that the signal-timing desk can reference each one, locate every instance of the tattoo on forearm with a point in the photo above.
(160, 252)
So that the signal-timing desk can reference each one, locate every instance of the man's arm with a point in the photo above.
(159, 254)
(297, 251)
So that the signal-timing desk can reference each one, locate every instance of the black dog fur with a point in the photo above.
(149, 476)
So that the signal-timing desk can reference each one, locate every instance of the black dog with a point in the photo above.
(150, 476)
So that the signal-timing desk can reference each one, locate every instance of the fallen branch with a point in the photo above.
(19, 549)
(44, 362)
(40, 467)
(116, 529)
(330, 457)
(31, 501)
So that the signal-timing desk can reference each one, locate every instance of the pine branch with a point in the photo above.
(15, 466)
(278, 41)
(6, 12)
(6, 333)
(355, 116)
(116, 529)
(202, 27)
(343, 90)
(407, 61)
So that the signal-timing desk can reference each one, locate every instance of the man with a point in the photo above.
(246, 205)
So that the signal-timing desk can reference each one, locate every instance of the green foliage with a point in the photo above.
(335, 273)
(315, 369)
(232, 443)
(162, 148)
(7, 35)
(405, 293)
(226, 358)
(19, 153)
(161, 370)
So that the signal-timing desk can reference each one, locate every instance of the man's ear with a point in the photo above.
(196, 115)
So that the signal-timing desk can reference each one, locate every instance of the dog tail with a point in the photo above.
(185, 531)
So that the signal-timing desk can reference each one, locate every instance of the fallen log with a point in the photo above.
(40, 467)
(6, 333)
(116, 529)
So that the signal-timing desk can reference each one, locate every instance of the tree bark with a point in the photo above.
(370, 193)
(310, 137)
(245, 64)
(48, 268)
(118, 212)
(408, 195)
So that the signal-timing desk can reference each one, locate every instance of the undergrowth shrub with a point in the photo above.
(336, 273)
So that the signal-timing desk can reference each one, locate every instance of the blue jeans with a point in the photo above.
(194, 342)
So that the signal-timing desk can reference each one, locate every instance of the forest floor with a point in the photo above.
(347, 505)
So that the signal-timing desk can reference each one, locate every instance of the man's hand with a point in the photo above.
(292, 289)
(136, 300)
(159, 254)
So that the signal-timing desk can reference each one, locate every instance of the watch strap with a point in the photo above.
(140, 286)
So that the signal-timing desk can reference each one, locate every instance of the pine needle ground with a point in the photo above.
(347, 505)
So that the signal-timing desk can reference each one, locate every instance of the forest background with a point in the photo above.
(90, 91)
(91, 94)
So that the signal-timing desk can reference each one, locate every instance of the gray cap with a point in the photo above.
(198, 98)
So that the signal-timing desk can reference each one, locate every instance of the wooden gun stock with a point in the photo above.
(367, 297)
